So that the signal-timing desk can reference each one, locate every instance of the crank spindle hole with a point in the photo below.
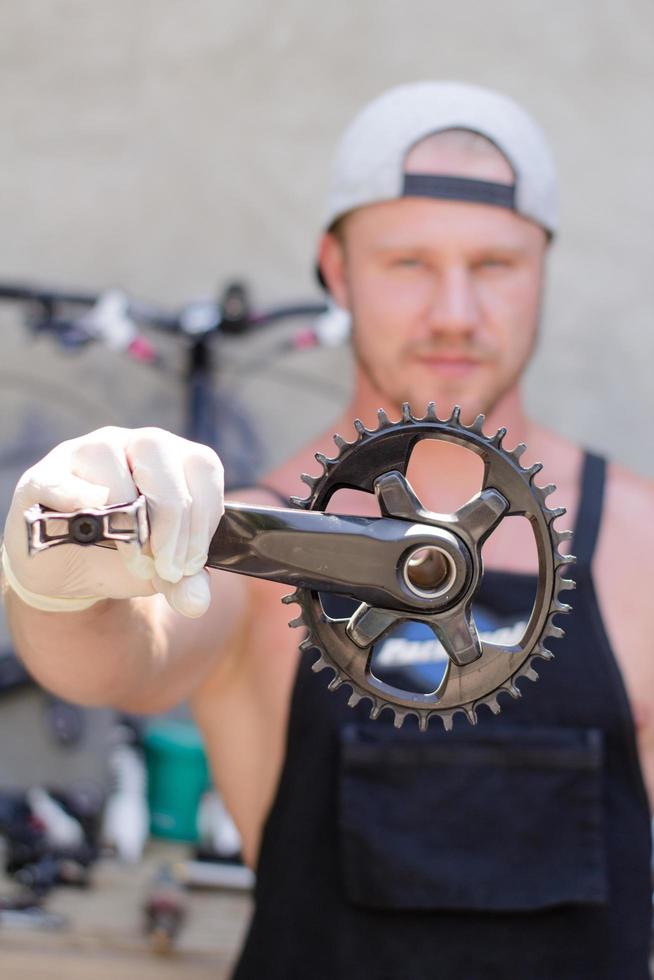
(429, 571)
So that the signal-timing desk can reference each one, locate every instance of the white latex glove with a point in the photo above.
(183, 484)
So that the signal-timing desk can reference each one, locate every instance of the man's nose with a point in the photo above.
(454, 307)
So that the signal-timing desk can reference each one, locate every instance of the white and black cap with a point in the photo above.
(369, 166)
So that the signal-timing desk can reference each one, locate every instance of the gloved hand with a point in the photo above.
(183, 484)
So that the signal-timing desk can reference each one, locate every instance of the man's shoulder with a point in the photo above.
(629, 514)
(285, 480)
(630, 493)
(629, 496)
(623, 569)
(275, 486)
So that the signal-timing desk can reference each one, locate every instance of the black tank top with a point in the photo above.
(518, 848)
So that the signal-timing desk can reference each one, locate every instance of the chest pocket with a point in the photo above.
(507, 819)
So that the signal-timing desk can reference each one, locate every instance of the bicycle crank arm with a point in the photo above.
(373, 560)
(367, 558)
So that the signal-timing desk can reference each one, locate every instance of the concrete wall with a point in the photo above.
(167, 146)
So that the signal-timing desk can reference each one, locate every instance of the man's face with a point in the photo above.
(444, 295)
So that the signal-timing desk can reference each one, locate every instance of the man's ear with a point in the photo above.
(331, 260)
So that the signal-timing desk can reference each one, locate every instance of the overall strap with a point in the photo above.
(589, 513)
(282, 498)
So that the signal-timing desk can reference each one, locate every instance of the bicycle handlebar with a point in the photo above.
(230, 315)
(113, 320)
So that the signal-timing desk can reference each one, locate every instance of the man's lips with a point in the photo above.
(452, 366)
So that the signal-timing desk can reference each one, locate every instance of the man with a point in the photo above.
(519, 848)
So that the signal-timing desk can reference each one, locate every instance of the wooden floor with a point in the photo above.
(104, 938)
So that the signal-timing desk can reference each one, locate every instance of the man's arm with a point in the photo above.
(133, 654)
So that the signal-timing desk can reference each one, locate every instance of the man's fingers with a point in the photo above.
(204, 478)
(54, 492)
(91, 471)
(191, 596)
(100, 458)
(136, 562)
(169, 535)
(157, 470)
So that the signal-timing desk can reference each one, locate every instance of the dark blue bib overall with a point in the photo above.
(519, 848)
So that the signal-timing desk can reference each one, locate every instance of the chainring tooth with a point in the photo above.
(325, 461)
(311, 481)
(542, 652)
(561, 607)
(532, 472)
(399, 716)
(477, 425)
(435, 427)
(447, 717)
(354, 698)
(555, 632)
(517, 453)
(376, 710)
(493, 705)
(498, 438)
(560, 536)
(470, 714)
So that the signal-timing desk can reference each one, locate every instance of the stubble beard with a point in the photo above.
(394, 391)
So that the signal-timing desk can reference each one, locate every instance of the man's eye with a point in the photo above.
(407, 262)
(494, 263)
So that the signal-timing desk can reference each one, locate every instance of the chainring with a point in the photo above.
(360, 465)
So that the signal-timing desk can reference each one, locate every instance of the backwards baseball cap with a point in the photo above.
(369, 163)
